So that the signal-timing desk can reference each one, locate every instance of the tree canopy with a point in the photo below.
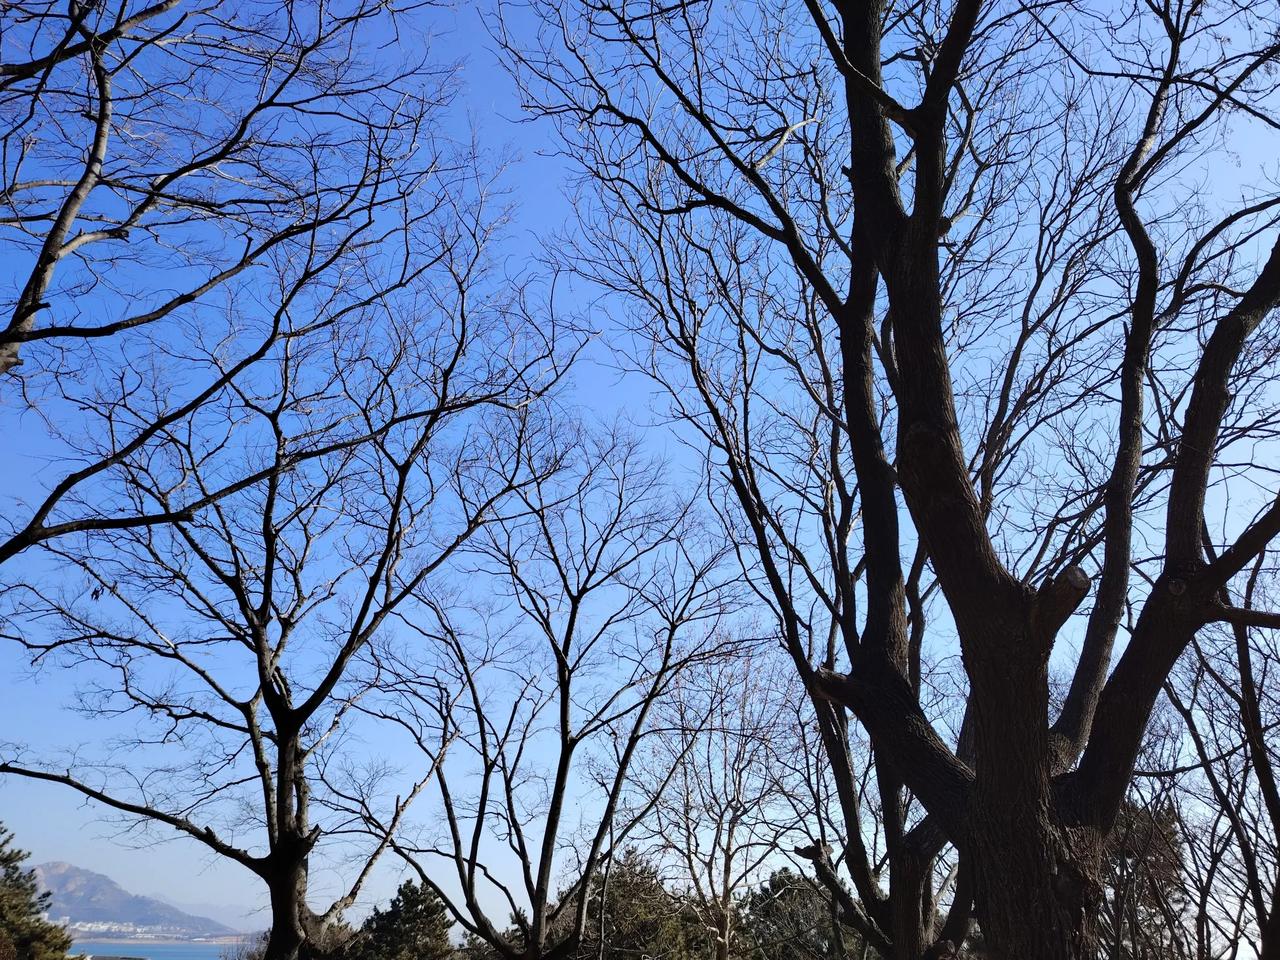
(918, 598)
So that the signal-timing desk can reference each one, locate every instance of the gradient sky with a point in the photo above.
(54, 823)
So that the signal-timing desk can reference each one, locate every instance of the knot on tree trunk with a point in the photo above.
(1056, 600)
(817, 852)
(829, 685)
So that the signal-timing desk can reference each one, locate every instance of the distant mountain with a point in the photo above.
(242, 919)
(94, 905)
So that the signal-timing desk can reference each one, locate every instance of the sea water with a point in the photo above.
(146, 950)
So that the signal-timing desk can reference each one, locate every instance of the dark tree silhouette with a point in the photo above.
(25, 934)
(414, 926)
(176, 178)
(583, 608)
(235, 639)
(979, 371)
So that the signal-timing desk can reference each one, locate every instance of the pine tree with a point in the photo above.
(414, 926)
(634, 915)
(24, 932)
(789, 918)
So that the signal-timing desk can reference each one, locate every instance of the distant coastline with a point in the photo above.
(94, 907)
(165, 941)
(155, 949)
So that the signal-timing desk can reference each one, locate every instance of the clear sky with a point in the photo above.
(53, 823)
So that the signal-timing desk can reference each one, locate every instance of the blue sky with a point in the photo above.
(53, 823)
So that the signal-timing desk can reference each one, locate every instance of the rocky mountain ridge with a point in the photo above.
(93, 905)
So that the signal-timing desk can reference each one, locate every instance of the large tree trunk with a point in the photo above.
(287, 886)
(722, 941)
(1038, 897)
(906, 905)
(1036, 881)
(1270, 946)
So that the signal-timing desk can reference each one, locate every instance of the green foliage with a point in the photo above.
(414, 926)
(633, 915)
(473, 948)
(24, 933)
(789, 918)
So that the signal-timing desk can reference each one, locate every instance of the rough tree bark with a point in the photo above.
(786, 228)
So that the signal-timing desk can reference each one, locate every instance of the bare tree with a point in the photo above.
(937, 290)
(721, 819)
(1146, 903)
(225, 646)
(601, 593)
(1227, 794)
(159, 165)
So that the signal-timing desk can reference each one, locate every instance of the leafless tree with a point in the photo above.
(1226, 787)
(225, 646)
(601, 592)
(159, 165)
(1146, 904)
(723, 818)
(938, 290)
